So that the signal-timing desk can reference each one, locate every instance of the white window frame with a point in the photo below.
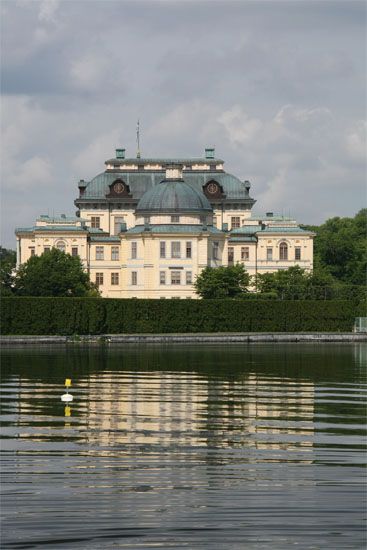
(235, 222)
(176, 253)
(115, 279)
(95, 222)
(245, 253)
(99, 253)
(175, 277)
(134, 250)
(115, 253)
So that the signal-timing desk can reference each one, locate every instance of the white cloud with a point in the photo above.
(90, 158)
(356, 141)
(47, 10)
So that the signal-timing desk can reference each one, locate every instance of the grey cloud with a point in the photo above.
(75, 80)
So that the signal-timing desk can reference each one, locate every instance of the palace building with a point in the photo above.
(145, 228)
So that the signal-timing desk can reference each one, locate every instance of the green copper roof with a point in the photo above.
(103, 239)
(140, 182)
(163, 161)
(58, 219)
(45, 228)
(174, 229)
(295, 229)
(243, 239)
(246, 229)
(173, 196)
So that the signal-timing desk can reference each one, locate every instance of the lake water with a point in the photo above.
(191, 446)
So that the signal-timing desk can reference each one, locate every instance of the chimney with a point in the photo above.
(120, 153)
(210, 153)
(174, 172)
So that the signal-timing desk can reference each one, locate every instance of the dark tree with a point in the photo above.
(7, 266)
(54, 273)
(222, 282)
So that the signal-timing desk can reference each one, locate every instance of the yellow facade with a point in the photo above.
(197, 216)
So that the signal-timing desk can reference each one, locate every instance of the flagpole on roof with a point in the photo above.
(138, 139)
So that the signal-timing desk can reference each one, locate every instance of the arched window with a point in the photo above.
(283, 251)
(60, 245)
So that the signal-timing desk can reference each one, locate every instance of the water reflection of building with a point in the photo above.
(166, 408)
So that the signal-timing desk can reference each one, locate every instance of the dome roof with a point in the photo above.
(173, 196)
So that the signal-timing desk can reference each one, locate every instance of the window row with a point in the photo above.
(175, 249)
(60, 246)
(176, 278)
(115, 253)
(283, 253)
(115, 279)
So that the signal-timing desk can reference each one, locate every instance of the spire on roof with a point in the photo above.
(138, 139)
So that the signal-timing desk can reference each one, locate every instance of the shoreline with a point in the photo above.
(197, 337)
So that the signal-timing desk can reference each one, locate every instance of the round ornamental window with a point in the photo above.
(60, 245)
(212, 188)
(118, 187)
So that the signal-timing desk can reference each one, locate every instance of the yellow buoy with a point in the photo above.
(67, 397)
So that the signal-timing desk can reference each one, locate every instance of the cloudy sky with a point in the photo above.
(278, 87)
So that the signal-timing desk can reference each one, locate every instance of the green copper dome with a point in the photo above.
(173, 196)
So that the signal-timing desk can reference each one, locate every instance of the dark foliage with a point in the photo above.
(25, 315)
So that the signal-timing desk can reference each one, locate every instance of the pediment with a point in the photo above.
(118, 188)
(213, 190)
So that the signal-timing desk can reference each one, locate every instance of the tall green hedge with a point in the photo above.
(67, 316)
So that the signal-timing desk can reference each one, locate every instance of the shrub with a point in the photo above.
(67, 316)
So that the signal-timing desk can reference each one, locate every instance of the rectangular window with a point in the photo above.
(235, 222)
(99, 252)
(175, 219)
(188, 249)
(115, 253)
(134, 277)
(175, 249)
(46, 249)
(269, 253)
(118, 221)
(74, 251)
(175, 277)
(215, 221)
(99, 279)
(146, 220)
(230, 255)
(33, 250)
(134, 250)
(114, 278)
(162, 249)
(297, 253)
(215, 250)
(95, 222)
(162, 277)
(245, 253)
(188, 277)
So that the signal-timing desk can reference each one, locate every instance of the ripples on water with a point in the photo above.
(257, 446)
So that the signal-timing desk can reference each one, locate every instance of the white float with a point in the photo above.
(67, 397)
